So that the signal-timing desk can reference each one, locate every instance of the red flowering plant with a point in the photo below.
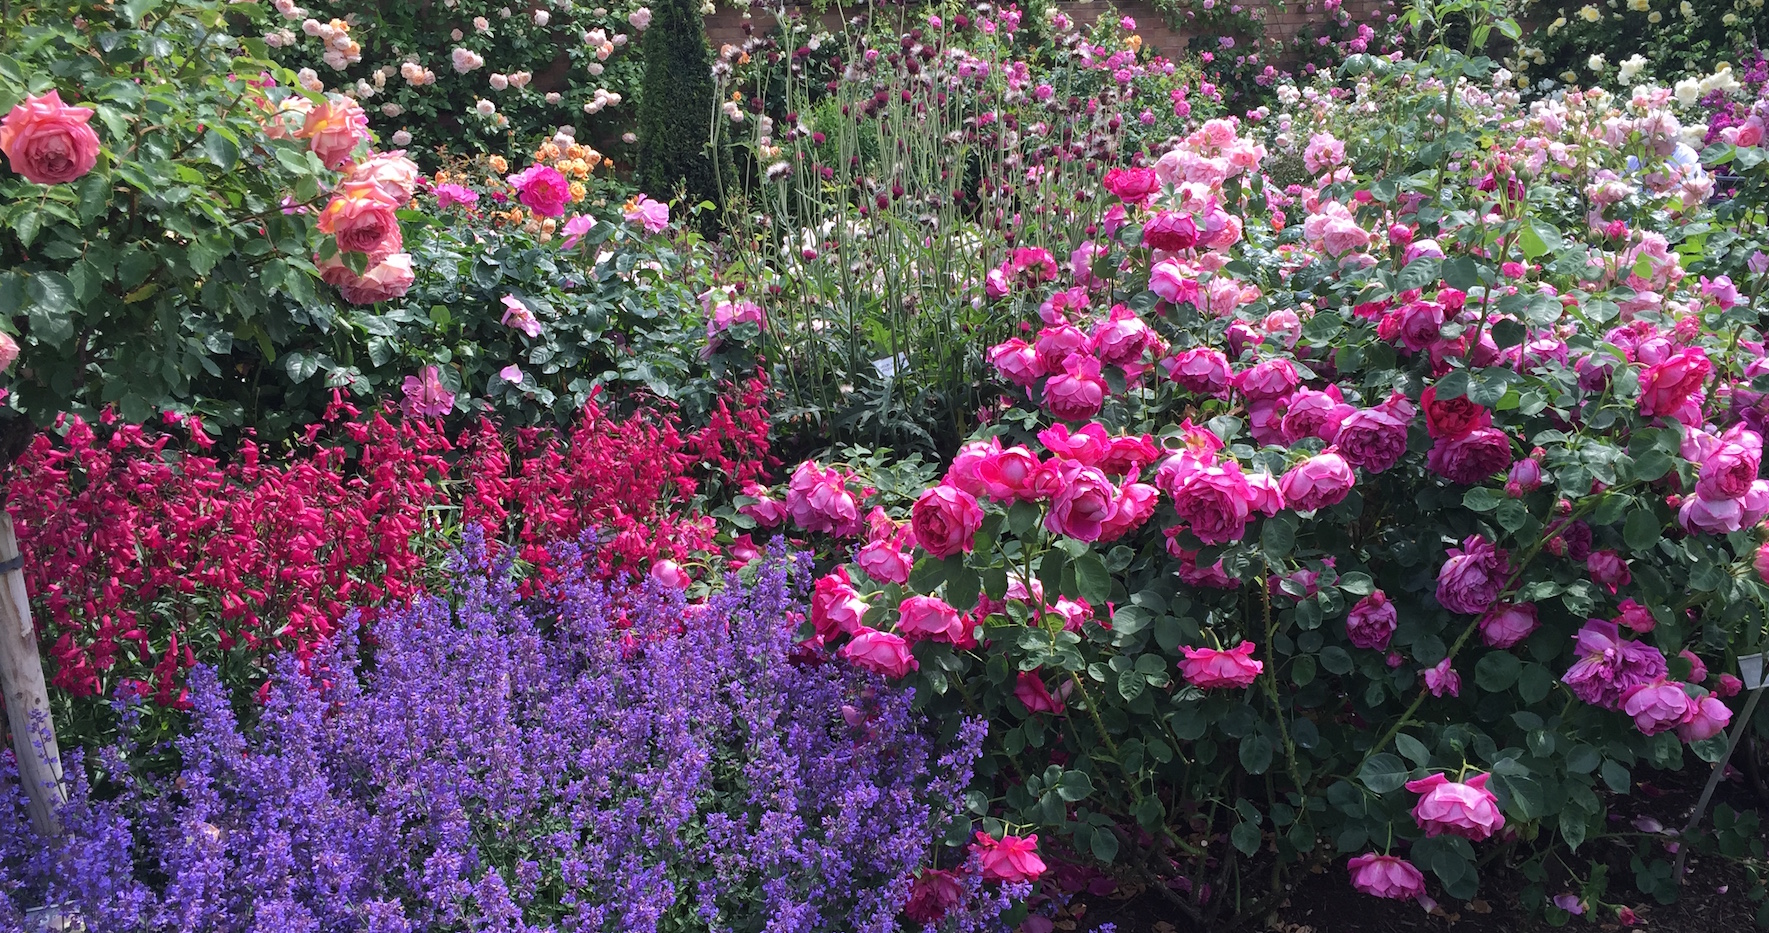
(145, 555)
(1402, 518)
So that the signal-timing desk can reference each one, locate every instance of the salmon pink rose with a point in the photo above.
(946, 519)
(333, 130)
(1453, 808)
(880, 652)
(1666, 386)
(1387, 876)
(1207, 668)
(48, 142)
(386, 280)
(393, 173)
(362, 219)
(1010, 858)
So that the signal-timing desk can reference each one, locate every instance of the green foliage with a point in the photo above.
(1674, 37)
(676, 107)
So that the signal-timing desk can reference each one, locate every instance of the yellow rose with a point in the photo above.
(498, 164)
(1589, 14)
(1654, 16)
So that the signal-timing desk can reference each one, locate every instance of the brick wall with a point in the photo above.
(728, 25)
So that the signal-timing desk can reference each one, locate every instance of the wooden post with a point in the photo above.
(26, 695)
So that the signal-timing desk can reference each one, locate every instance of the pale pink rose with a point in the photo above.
(651, 216)
(1208, 668)
(386, 280)
(1506, 624)
(1387, 876)
(1707, 718)
(930, 618)
(880, 652)
(576, 229)
(520, 316)
(48, 142)
(334, 129)
(8, 351)
(1465, 808)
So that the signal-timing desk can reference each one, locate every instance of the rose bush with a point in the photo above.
(1423, 522)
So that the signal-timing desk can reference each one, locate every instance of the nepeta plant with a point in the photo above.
(591, 758)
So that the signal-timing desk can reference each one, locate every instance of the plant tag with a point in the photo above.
(1750, 670)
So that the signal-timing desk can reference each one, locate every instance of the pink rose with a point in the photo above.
(963, 473)
(1706, 718)
(1170, 232)
(1122, 339)
(1086, 502)
(1608, 569)
(425, 396)
(1659, 706)
(452, 194)
(1373, 438)
(1387, 876)
(1698, 669)
(1314, 414)
(1268, 379)
(1204, 370)
(8, 351)
(392, 172)
(1031, 691)
(880, 652)
(1465, 809)
(1636, 617)
(334, 129)
(1472, 458)
(520, 316)
(946, 520)
(669, 574)
(543, 189)
(362, 219)
(651, 216)
(1452, 418)
(385, 280)
(1609, 665)
(1322, 480)
(1078, 392)
(1136, 505)
(1524, 477)
(1169, 280)
(1056, 343)
(818, 500)
(1470, 581)
(1017, 362)
(1207, 668)
(48, 142)
(766, 510)
(1419, 324)
(1666, 386)
(1371, 622)
(836, 607)
(1441, 678)
(1132, 185)
(930, 618)
(883, 560)
(1268, 498)
(1506, 624)
(1724, 516)
(1010, 859)
(1128, 454)
(1728, 686)
(1215, 502)
(933, 894)
(1729, 471)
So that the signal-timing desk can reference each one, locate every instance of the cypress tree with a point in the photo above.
(676, 105)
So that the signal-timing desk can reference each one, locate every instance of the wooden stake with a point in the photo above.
(26, 695)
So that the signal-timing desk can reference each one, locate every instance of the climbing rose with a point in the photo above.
(361, 217)
(1387, 876)
(1471, 458)
(1441, 678)
(1608, 665)
(1465, 809)
(47, 141)
(333, 130)
(1374, 438)
(1210, 667)
(1086, 503)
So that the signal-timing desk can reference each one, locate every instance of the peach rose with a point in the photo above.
(48, 142)
(334, 129)
(396, 175)
(382, 281)
(362, 218)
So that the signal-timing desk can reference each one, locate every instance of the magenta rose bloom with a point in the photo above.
(883, 560)
(1441, 678)
(1729, 471)
(1127, 454)
(929, 618)
(1056, 343)
(1371, 622)
(1123, 338)
(1421, 324)
(1031, 691)
(1011, 858)
(1208, 668)
(1707, 718)
(1608, 569)
(1215, 502)
(1609, 665)
(1667, 385)
(47, 141)
(836, 607)
(543, 189)
(1087, 501)
(1452, 418)
(1204, 370)
(1470, 581)
(818, 500)
(1086, 445)
(1465, 809)
(1507, 624)
(880, 652)
(1659, 706)
(1268, 379)
(1017, 362)
(1314, 414)
(1136, 505)
(933, 894)
(1170, 231)
(1387, 876)
(1076, 393)
(1472, 458)
(425, 395)
(1132, 185)
(963, 472)
(1322, 480)
(1373, 438)
(1010, 475)
(945, 520)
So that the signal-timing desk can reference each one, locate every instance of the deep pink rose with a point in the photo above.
(1136, 505)
(766, 510)
(1724, 516)
(1608, 569)
(1470, 581)
(1698, 669)
(1122, 339)
(1373, 438)
(1441, 678)
(1010, 859)
(425, 395)
(1170, 231)
(1314, 414)
(1659, 706)
(1472, 458)
(1087, 501)
(1056, 343)
(930, 618)
(1371, 622)
(542, 189)
(48, 142)
(1126, 455)
(883, 560)
(1268, 497)
(933, 894)
(1012, 475)
(1132, 185)
(836, 607)
(1666, 386)
(965, 464)
(1031, 691)
(1506, 624)
(1201, 369)
(1420, 324)
(1169, 280)
(1465, 809)
(1706, 718)
(1636, 617)
(1076, 393)
(1017, 362)
(1322, 480)
(946, 520)
(1387, 876)
(880, 652)
(1215, 501)
(1207, 668)
(818, 500)
(1452, 418)
(1086, 445)
(1524, 477)
(1732, 467)
(1268, 379)
(1609, 665)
